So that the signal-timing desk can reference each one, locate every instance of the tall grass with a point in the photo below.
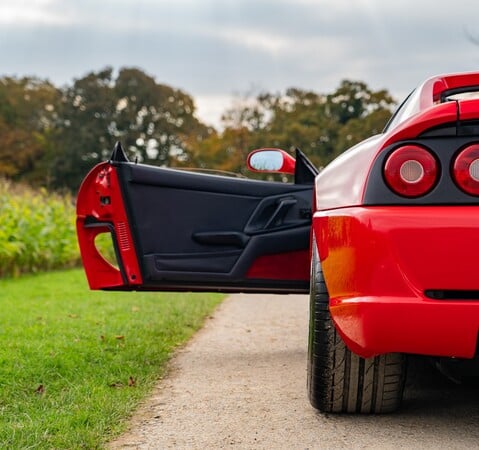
(37, 230)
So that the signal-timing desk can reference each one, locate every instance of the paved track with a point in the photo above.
(241, 384)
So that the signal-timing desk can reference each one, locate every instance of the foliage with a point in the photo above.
(28, 111)
(155, 122)
(323, 126)
(52, 136)
(75, 363)
(37, 230)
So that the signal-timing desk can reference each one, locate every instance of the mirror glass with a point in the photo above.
(267, 160)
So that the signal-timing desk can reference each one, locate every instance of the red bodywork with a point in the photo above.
(100, 209)
(379, 261)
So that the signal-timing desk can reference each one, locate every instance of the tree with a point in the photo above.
(52, 137)
(155, 122)
(28, 113)
(321, 125)
(82, 137)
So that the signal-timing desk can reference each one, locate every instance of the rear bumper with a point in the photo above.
(381, 264)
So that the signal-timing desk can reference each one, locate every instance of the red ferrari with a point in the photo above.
(384, 239)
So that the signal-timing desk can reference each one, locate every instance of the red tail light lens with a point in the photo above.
(411, 171)
(466, 169)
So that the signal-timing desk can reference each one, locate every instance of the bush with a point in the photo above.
(37, 230)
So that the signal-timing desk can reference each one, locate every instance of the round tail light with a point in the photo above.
(466, 169)
(411, 171)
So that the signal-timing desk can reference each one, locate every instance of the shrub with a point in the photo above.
(37, 230)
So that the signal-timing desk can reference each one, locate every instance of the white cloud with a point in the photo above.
(210, 108)
(31, 12)
(251, 38)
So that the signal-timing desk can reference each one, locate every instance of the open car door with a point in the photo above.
(178, 230)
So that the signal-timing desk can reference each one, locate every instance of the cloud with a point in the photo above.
(30, 12)
(215, 48)
(257, 40)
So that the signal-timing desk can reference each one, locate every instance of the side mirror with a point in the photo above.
(271, 160)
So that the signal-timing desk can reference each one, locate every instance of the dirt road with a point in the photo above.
(241, 383)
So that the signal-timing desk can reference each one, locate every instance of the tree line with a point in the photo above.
(51, 136)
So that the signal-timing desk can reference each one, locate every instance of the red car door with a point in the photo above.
(181, 230)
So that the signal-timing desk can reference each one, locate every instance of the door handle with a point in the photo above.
(282, 208)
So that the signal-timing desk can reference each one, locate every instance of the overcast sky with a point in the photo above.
(216, 49)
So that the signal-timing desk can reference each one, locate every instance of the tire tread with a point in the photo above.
(340, 381)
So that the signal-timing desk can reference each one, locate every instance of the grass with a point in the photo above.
(75, 363)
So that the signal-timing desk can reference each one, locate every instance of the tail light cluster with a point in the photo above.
(413, 170)
(466, 169)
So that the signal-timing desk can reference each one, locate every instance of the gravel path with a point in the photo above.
(241, 383)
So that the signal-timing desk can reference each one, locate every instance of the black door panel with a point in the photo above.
(193, 231)
(167, 218)
(223, 266)
(280, 212)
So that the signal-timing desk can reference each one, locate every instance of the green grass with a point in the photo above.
(75, 363)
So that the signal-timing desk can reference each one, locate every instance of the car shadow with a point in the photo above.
(436, 413)
(429, 389)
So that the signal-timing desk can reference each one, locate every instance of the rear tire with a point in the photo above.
(340, 381)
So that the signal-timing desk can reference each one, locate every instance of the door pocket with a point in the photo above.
(217, 262)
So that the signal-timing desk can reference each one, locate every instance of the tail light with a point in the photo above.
(466, 169)
(411, 171)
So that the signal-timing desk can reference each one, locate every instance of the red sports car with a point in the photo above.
(384, 239)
